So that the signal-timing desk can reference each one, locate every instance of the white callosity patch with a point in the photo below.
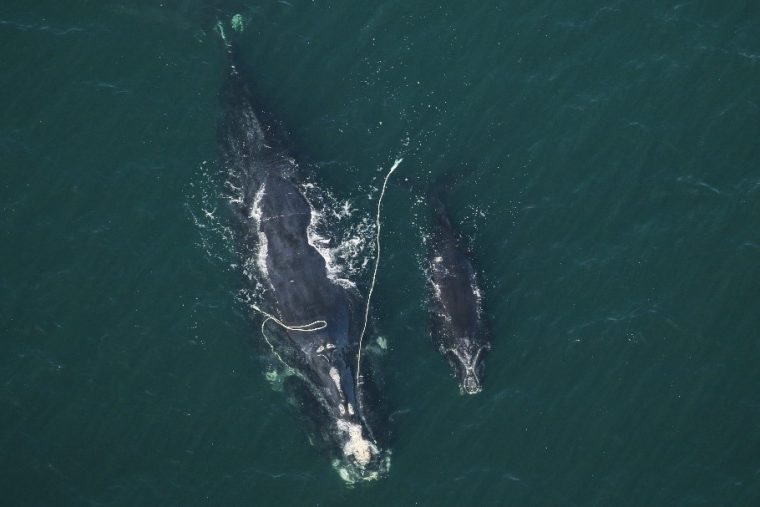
(335, 376)
(469, 362)
(355, 445)
(324, 348)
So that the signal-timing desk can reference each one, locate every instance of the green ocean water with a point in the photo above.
(603, 157)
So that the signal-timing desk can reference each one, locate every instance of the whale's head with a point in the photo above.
(467, 360)
(360, 459)
(356, 454)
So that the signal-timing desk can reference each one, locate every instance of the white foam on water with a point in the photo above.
(205, 204)
(341, 234)
(436, 291)
(351, 476)
(262, 248)
(322, 245)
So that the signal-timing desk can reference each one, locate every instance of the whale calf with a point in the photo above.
(456, 307)
(311, 322)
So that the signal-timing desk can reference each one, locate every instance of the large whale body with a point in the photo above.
(311, 321)
(456, 310)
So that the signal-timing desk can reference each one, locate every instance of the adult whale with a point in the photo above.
(310, 321)
(456, 308)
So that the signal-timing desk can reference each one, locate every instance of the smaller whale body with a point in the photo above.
(310, 322)
(456, 306)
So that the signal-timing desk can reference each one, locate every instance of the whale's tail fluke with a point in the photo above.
(235, 13)
(249, 135)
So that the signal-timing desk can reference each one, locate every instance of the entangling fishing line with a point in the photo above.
(321, 324)
(306, 328)
(311, 326)
(374, 274)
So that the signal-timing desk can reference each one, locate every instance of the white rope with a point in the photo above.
(276, 354)
(307, 328)
(321, 324)
(374, 274)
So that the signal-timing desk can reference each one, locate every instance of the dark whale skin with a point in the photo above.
(275, 217)
(456, 308)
